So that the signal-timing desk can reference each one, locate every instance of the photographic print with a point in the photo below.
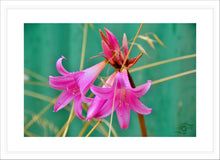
(110, 80)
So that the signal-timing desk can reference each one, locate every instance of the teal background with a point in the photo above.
(173, 102)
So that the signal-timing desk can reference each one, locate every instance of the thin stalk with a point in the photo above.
(140, 117)
(85, 31)
(113, 105)
(97, 124)
(36, 83)
(102, 128)
(162, 62)
(108, 124)
(84, 128)
(35, 118)
(35, 75)
(30, 134)
(126, 58)
(172, 77)
(69, 121)
(88, 123)
(37, 95)
(64, 126)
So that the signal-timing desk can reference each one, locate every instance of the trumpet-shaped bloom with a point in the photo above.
(96, 108)
(112, 50)
(122, 97)
(75, 85)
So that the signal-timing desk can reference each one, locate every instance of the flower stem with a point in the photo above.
(69, 121)
(94, 128)
(64, 126)
(142, 125)
(84, 128)
(140, 117)
(112, 129)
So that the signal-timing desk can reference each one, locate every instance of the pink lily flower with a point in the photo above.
(75, 85)
(123, 98)
(112, 50)
(96, 107)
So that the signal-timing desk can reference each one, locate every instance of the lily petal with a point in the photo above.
(103, 37)
(60, 67)
(133, 61)
(63, 82)
(95, 106)
(98, 102)
(141, 90)
(106, 49)
(139, 107)
(106, 109)
(125, 44)
(118, 57)
(112, 39)
(65, 98)
(110, 80)
(75, 85)
(86, 99)
(121, 80)
(89, 76)
(123, 114)
(107, 52)
(78, 108)
(104, 93)
(127, 83)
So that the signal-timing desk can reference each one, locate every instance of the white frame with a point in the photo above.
(204, 13)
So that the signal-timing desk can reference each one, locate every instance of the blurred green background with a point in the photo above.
(173, 102)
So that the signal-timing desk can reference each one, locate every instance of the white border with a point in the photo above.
(14, 14)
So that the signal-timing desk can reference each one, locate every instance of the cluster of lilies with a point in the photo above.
(116, 94)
